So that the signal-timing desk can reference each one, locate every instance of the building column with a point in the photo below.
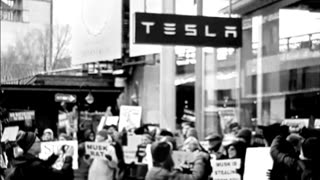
(199, 84)
(167, 77)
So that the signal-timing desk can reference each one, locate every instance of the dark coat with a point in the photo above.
(31, 167)
(286, 164)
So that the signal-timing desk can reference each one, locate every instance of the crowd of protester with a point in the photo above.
(295, 154)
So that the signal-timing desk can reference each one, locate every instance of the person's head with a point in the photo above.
(29, 143)
(185, 127)
(215, 142)
(161, 155)
(234, 128)
(192, 132)
(89, 135)
(246, 135)
(64, 137)
(112, 130)
(310, 149)
(296, 141)
(191, 144)
(236, 149)
(103, 136)
(147, 139)
(47, 135)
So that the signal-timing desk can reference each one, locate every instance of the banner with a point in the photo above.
(98, 149)
(227, 117)
(130, 117)
(47, 149)
(253, 169)
(21, 116)
(226, 169)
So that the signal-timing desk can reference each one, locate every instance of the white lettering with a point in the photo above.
(207, 32)
(148, 25)
(231, 30)
(191, 29)
(169, 28)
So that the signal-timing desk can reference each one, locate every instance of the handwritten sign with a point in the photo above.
(254, 155)
(10, 133)
(130, 154)
(98, 149)
(226, 169)
(130, 117)
(47, 149)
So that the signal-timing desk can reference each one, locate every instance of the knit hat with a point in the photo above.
(25, 140)
(160, 151)
(103, 133)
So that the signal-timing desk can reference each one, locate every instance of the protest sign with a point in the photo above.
(47, 149)
(98, 149)
(181, 157)
(10, 133)
(254, 155)
(130, 117)
(112, 120)
(227, 117)
(130, 154)
(135, 140)
(226, 169)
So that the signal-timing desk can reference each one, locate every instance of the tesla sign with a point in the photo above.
(187, 30)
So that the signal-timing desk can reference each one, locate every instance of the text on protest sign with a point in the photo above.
(47, 149)
(97, 149)
(226, 169)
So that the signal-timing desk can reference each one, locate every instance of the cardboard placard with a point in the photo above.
(47, 149)
(226, 169)
(252, 171)
(98, 149)
(130, 117)
(10, 133)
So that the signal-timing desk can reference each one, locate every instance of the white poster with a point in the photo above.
(48, 148)
(130, 154)
(130, 117)
(254, 170)
(98, 149)
(10, 133)
(97, 31)
(226, 169)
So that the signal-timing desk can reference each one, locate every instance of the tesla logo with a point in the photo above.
(188, 30)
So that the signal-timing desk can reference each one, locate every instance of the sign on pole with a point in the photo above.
(130, 117)
(70, 98)
(187, 30)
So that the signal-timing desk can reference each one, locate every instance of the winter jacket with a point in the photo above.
(286, 162)
(30, 167)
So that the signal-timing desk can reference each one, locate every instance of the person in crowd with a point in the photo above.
(185, 127)
(104, 168)
(47, 135)
(192, 132)
(89, 135)
(258, 140)
(237, 150)
(245, 135)
(310, 158)
(201, 158)
(29, 166)
(116, 143)
(234, 128)
(285, 157)
(215, 142)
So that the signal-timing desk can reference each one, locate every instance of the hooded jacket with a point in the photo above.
(30, 167)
